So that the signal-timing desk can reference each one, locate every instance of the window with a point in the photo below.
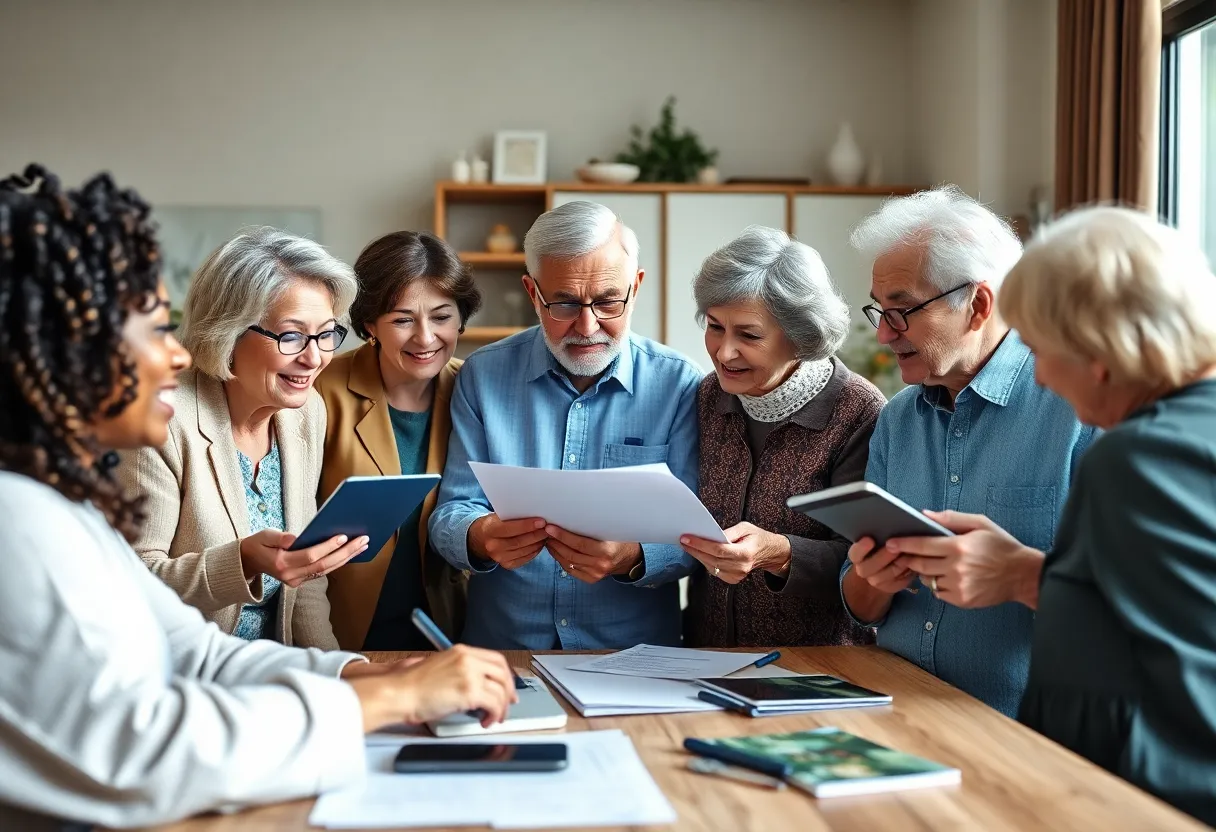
(1188, 134)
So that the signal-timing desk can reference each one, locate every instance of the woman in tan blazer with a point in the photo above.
(237, 478)
(387, 406)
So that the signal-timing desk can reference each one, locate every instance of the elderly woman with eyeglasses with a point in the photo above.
(780, 415)
(238, 477)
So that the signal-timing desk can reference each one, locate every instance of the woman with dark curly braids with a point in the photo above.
(119, 704)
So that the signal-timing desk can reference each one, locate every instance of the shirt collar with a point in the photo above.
(541, 361)
(996, 378)
(814, 415)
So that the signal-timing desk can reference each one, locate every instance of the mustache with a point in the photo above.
(586, 341)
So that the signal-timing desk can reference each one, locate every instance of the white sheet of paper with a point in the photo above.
(603, 765)
(638, 504)
(605, 694)
(669, 663)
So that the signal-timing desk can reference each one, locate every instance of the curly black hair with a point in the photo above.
(73, 265)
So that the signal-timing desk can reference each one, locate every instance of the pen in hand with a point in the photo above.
(440, 641)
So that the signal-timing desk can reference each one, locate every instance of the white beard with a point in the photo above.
(587, 366)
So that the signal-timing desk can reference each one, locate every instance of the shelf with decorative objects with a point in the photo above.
(678, 225)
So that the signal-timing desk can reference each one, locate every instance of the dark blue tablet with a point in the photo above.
(372, 506)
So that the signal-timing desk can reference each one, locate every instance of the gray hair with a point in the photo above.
(788, 277)
(574, 230)
(961, 239)
(242, 279)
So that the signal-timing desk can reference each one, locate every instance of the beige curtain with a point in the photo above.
(1108, 100)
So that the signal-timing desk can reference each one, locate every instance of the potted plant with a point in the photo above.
(667, 155)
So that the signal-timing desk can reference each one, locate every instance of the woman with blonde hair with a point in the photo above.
(238, 477)
(1120, 312)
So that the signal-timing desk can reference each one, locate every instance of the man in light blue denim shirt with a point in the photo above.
(578, 392)
(974, 434)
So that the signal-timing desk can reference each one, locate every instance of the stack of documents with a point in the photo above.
(616, 693)
(605, 784)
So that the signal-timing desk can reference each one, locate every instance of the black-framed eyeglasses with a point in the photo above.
(294, 343)
(603, 310)
(897, 319)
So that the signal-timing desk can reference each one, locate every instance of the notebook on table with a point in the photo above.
(536, 710)
(828, 762)
(793, 694)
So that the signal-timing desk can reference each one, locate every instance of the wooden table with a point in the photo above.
(1012, 777)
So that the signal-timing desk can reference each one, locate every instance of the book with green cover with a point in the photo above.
(828, 762)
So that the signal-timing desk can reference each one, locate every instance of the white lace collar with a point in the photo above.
(791, 395)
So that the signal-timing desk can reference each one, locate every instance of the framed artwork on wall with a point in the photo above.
(519, 157)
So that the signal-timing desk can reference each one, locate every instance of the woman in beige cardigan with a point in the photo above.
(387, 409)
(238, 477)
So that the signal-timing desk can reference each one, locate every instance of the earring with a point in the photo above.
(371, 339)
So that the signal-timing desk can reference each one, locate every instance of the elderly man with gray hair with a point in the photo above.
(973, 433)
(779, 415)
(580, 391)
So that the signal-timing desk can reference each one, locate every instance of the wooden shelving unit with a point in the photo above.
(486, 334)
(532, 200)
(489, 260)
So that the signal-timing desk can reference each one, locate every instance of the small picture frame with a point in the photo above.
(519, 157)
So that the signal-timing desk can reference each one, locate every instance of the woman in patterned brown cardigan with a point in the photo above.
(779, 416)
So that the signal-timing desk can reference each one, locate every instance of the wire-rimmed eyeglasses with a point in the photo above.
(896, 318)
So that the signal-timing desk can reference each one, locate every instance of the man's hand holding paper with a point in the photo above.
(588, 559)
(508, 543)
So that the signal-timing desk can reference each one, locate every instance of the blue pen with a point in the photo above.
(722, 702)
(440, 642)
(773, 768)
(769, 659)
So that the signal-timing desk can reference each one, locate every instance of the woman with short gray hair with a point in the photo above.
(238, 478)
(780, 415)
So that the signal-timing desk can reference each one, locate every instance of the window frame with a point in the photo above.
(1177, 20)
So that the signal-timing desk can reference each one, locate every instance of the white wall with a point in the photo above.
(983, 77)
(359, 106)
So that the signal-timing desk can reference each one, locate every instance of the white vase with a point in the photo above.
(708, 176)
(460, 170)
(845, 162)
(479, 170)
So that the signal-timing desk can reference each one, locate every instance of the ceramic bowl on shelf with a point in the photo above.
(613, 173)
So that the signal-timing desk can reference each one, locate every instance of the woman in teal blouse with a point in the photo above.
(1120, 312)
(387, 407)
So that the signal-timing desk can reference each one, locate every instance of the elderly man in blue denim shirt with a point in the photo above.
(974, 433)
(580, 391)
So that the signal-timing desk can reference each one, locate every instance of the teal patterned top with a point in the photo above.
(264, 504)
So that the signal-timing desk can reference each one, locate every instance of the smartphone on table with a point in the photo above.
(430, 758)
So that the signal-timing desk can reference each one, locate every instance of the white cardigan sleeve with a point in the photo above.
(120, 706)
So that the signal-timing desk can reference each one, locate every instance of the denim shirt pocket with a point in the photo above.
(1026, 512)
(621, 456)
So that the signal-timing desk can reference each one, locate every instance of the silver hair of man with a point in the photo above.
(239, 282)
(788, 277)
(574, 230)
(962, 240)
